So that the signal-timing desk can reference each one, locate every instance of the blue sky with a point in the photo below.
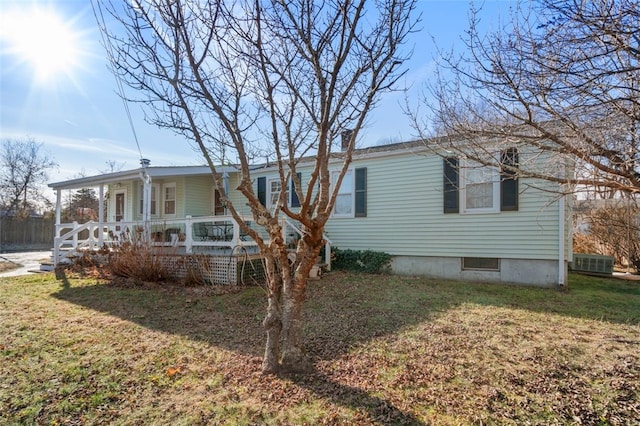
(56, 88)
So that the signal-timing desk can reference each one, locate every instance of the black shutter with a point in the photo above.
(509, 181)
(295, 201)
(361, 192)
(262, 190)
(450, 189)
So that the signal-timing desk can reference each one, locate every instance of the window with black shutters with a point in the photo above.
(509, 180)
(465, 191)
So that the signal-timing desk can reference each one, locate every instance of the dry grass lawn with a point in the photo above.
(387, 350)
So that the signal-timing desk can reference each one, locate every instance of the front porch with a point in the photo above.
(215, 247)
(175, 210)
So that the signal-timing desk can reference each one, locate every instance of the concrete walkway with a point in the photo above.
(30, 261)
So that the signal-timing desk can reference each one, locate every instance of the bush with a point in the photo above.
(140, 262)
(368, 261)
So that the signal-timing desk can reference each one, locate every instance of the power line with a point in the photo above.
(102, 26)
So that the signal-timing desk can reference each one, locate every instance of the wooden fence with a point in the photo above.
(34, 233)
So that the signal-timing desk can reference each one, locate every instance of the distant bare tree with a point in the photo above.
(24, 168)
(277, 80)
(563, 80)
(613, 228)
(112, 166)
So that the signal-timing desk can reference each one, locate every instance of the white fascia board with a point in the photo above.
(154, 172)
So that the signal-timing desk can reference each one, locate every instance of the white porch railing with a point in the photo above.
(205, 233)
(202, 234)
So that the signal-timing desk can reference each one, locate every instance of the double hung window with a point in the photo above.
(471, 187)
(169, 199)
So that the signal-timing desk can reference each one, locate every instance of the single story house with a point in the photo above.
(437, 215)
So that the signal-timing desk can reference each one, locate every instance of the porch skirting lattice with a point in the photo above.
(236, 269)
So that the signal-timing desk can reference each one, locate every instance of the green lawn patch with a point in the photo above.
(387, 350)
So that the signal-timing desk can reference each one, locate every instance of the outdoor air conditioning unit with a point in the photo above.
(592, 264)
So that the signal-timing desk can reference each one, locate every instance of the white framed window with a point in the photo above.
(345, 201)
(169, 198)
(274, 188)
(479, 189)
(154, 198)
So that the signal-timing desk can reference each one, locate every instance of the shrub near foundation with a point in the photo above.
(139, 262)
(367, 261)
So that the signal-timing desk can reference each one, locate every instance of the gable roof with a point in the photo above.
(166, 171)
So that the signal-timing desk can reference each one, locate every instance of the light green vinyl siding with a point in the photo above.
(236, 197)
(194, 196)
(405, 217)
(198, 193)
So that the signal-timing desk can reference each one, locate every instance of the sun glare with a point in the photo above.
(40, 38)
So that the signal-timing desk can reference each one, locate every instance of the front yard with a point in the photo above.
(387, 350)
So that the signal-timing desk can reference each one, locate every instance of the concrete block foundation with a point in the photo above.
(534, 272)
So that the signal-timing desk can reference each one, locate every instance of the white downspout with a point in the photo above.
(58, 210)
(56, 239)
(146, 197)
(101, 216)
(561, 238)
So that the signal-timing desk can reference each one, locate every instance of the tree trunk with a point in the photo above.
(273, 320)
(273, 326)
(287, 283)
(294, 359)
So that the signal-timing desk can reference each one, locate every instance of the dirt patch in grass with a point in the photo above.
(387, 350)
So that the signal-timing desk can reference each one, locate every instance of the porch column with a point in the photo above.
(101, 215)
(58, 210)
(146, 198)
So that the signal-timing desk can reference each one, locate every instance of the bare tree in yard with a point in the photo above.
(563, 79)
(275, 80)
(610, 227)
(24, 168)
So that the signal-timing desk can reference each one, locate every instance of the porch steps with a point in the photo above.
(47, 266)
(316, 270)
(67, 258)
